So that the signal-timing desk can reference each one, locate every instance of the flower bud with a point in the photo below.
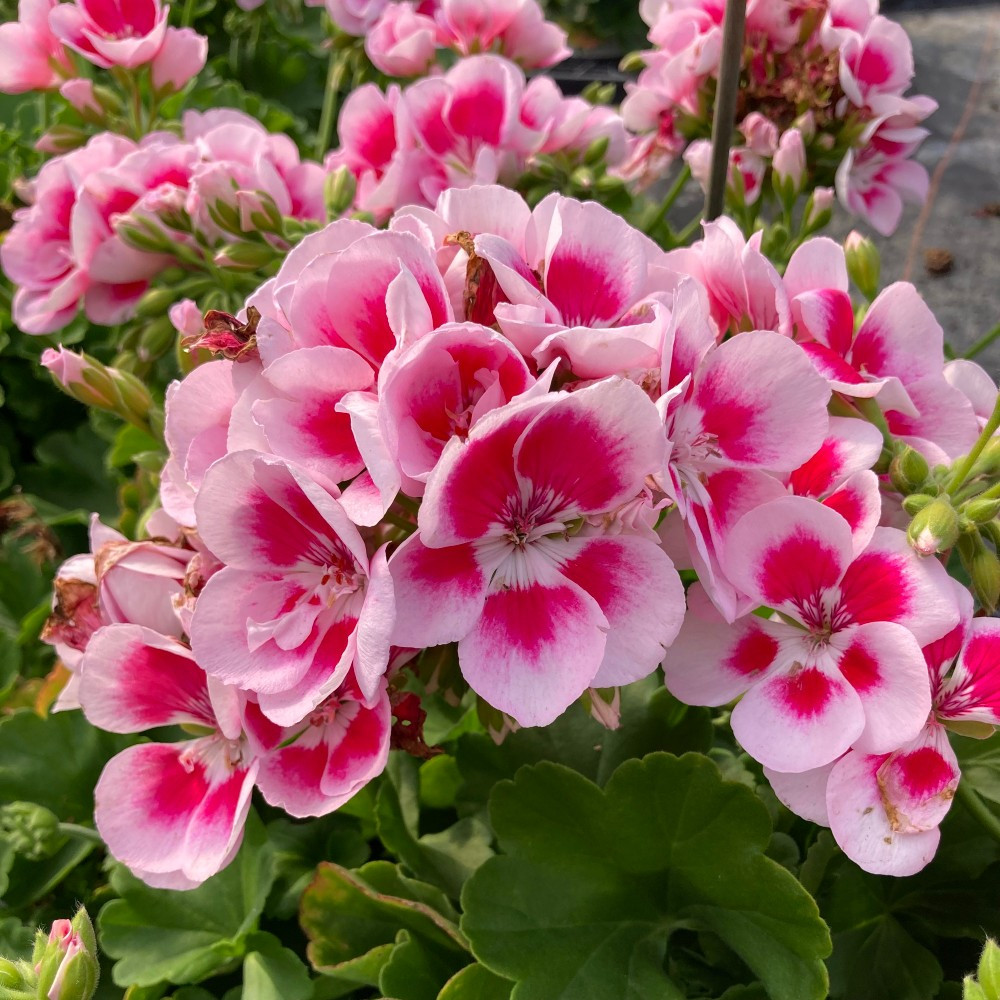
(596, 151)
(67, 964)
(916, 502)
(61, 139)
(93, 384)
(819, 209)
(605, 706)
(908, 470)
(155, 303)
(982, 509)
(985, 573)
(80, 94)
(989, 969)
(790, 161)
(244, 256)
(338, 191)
(863, 263)
(156, 338)
(31, 830)
(935, 528)
(988, 463)
(633, 62)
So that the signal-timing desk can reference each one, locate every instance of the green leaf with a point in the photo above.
(476, 982)
(352, 924)
(129, 442)
(15, 938)
(417, 972)
(54, 761)
(594, 883)
(31, 880)
(874, 956)
(445, 859)
(273, 972)
(183, 937)
(651, 719)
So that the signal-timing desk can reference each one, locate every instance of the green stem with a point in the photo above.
(187, 15)
(407, 503)
(962, 472)
(400, 522)
(83, 832)
(983, 342)
(872, 412)
(688, 231)
(978, 809)
(328, 116)
(672, 195)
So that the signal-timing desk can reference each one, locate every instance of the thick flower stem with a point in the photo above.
(82, 832)
(725, 104)
(962, 472)
(978, 809)
(672, 195)
(983, 342)
(328, 116)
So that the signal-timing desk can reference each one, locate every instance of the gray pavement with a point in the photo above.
(953, 46)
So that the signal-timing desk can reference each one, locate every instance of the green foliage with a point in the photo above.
(594, 884)
(184, 937)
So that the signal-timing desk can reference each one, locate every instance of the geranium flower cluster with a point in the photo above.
(507, 428)
(37, 50)
(403, 39)
(478, 123)
(104, 220)
(821, 102)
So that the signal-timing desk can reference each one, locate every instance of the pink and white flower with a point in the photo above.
(31, 56)
(510, 560)
(298, 603)
(127, 33)
(839, 666)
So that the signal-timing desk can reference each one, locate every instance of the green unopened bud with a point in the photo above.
(582, 177)
(224, 215)
(971, 990)
(143, 238)
(31, 830)
(935, 528)
(916, 502)
(985, 573)
(596, 151)
(988, 463)
(156, 339)
(863, 263)
(61, 139)
(908, 471)
(244, 256)
(982, 509)
(107, 99)
(17, 980)
(338, 192)
(989, 970)
(633, 62)
(155, 303)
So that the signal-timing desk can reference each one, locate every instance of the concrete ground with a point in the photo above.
(956, 50)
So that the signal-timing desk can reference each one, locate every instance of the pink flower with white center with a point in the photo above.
(126, 33)
(31, 57)
(602, 301)
(38, 253)
(841, 667)
(191, 798)
(439, 388)
(896, 354)
(745, 290)
(729, 418)
(314, 767)
(292, 410)
(471, 26)
(394, 283)
(403, 42)
(760, 133)
(298, 604)
(874, 186)
(354, 17)
(531, 41)
(877, 66)
(884, 810)
(839, 476)
(510, 560)
(198, 411)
